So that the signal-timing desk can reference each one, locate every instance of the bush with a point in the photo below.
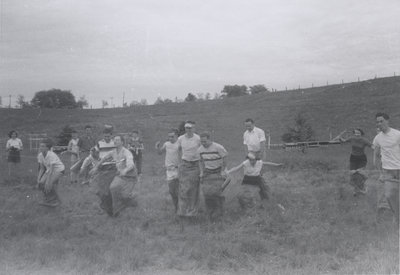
(302, 131)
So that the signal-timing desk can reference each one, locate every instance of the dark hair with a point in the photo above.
(175, 131)
(88, 127)
(121, 137)
(74, 132)
(12, 132)
(135, 131)
(190, 121)
(381, 114)
(107, 131)
(249, 120)
(205, 134)
(358, 129)
(48, 142)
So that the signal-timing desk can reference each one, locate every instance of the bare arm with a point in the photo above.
(376, 158)
(234, 169)
(272, 163)
(263, 147)
(160, 149)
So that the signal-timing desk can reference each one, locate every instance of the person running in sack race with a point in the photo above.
(387, 146)
(86, 143)
(118, 194)
(189, 173)
(14, 147)
(358, 160)
(88, 164)
(171, 149)
(252, 180)
(212, 174)
(51, 169)
(136, 147)
(74, 149)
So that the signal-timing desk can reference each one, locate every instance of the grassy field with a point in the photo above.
(321, 229)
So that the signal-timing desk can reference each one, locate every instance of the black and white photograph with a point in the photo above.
(188, 137)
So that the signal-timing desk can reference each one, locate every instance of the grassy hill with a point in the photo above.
(311, 225)
(330, 108)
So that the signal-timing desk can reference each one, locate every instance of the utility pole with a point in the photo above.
(123, 100)
(9, 102)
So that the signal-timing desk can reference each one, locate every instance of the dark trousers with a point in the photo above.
(137, 159)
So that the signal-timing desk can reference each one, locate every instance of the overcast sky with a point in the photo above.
(147, 48)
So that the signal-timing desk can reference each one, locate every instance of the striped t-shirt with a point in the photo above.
(212, 155)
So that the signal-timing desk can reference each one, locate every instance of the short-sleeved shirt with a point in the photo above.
(253, 139)
(189, 147)
(16, 143)
(74, 145)
(250, 170)
(123, 158)
(389, 144)
(51, 160)
(105, 147)
(358, 145)
(212, 156)
(86, 143)
(171, 154)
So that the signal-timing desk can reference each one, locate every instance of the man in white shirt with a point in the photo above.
(189, 178)
(254, 139)
(387, 145)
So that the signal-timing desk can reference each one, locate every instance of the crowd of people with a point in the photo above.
(193, 162)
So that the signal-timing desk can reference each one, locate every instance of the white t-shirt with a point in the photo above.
(250, 170)
(105, 147)
(189, 147)
(171, 154)
(74, 145)
(253, 139)
(16, 143)
(124, 158)
(50, 160)
(389, 145)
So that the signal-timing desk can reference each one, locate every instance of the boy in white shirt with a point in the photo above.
(171, 149)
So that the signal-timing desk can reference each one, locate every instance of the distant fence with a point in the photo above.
(35, 139)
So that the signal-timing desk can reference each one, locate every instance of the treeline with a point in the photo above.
(227, 91)
(54, 99)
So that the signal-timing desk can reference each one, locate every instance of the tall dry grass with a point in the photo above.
(311, 225)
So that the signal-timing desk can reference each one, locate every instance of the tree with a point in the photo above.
(258, 89)
(159, 100)
(54, 98)
(234, 90)
(207, 96)
(104, 103)
(143, 102)
(82, 102)
(65, 135)
(190, 97)
(21, 103)
(302, 130)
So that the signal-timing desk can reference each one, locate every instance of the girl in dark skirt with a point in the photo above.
(253, 184)
(13, 147)
(358, 160)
